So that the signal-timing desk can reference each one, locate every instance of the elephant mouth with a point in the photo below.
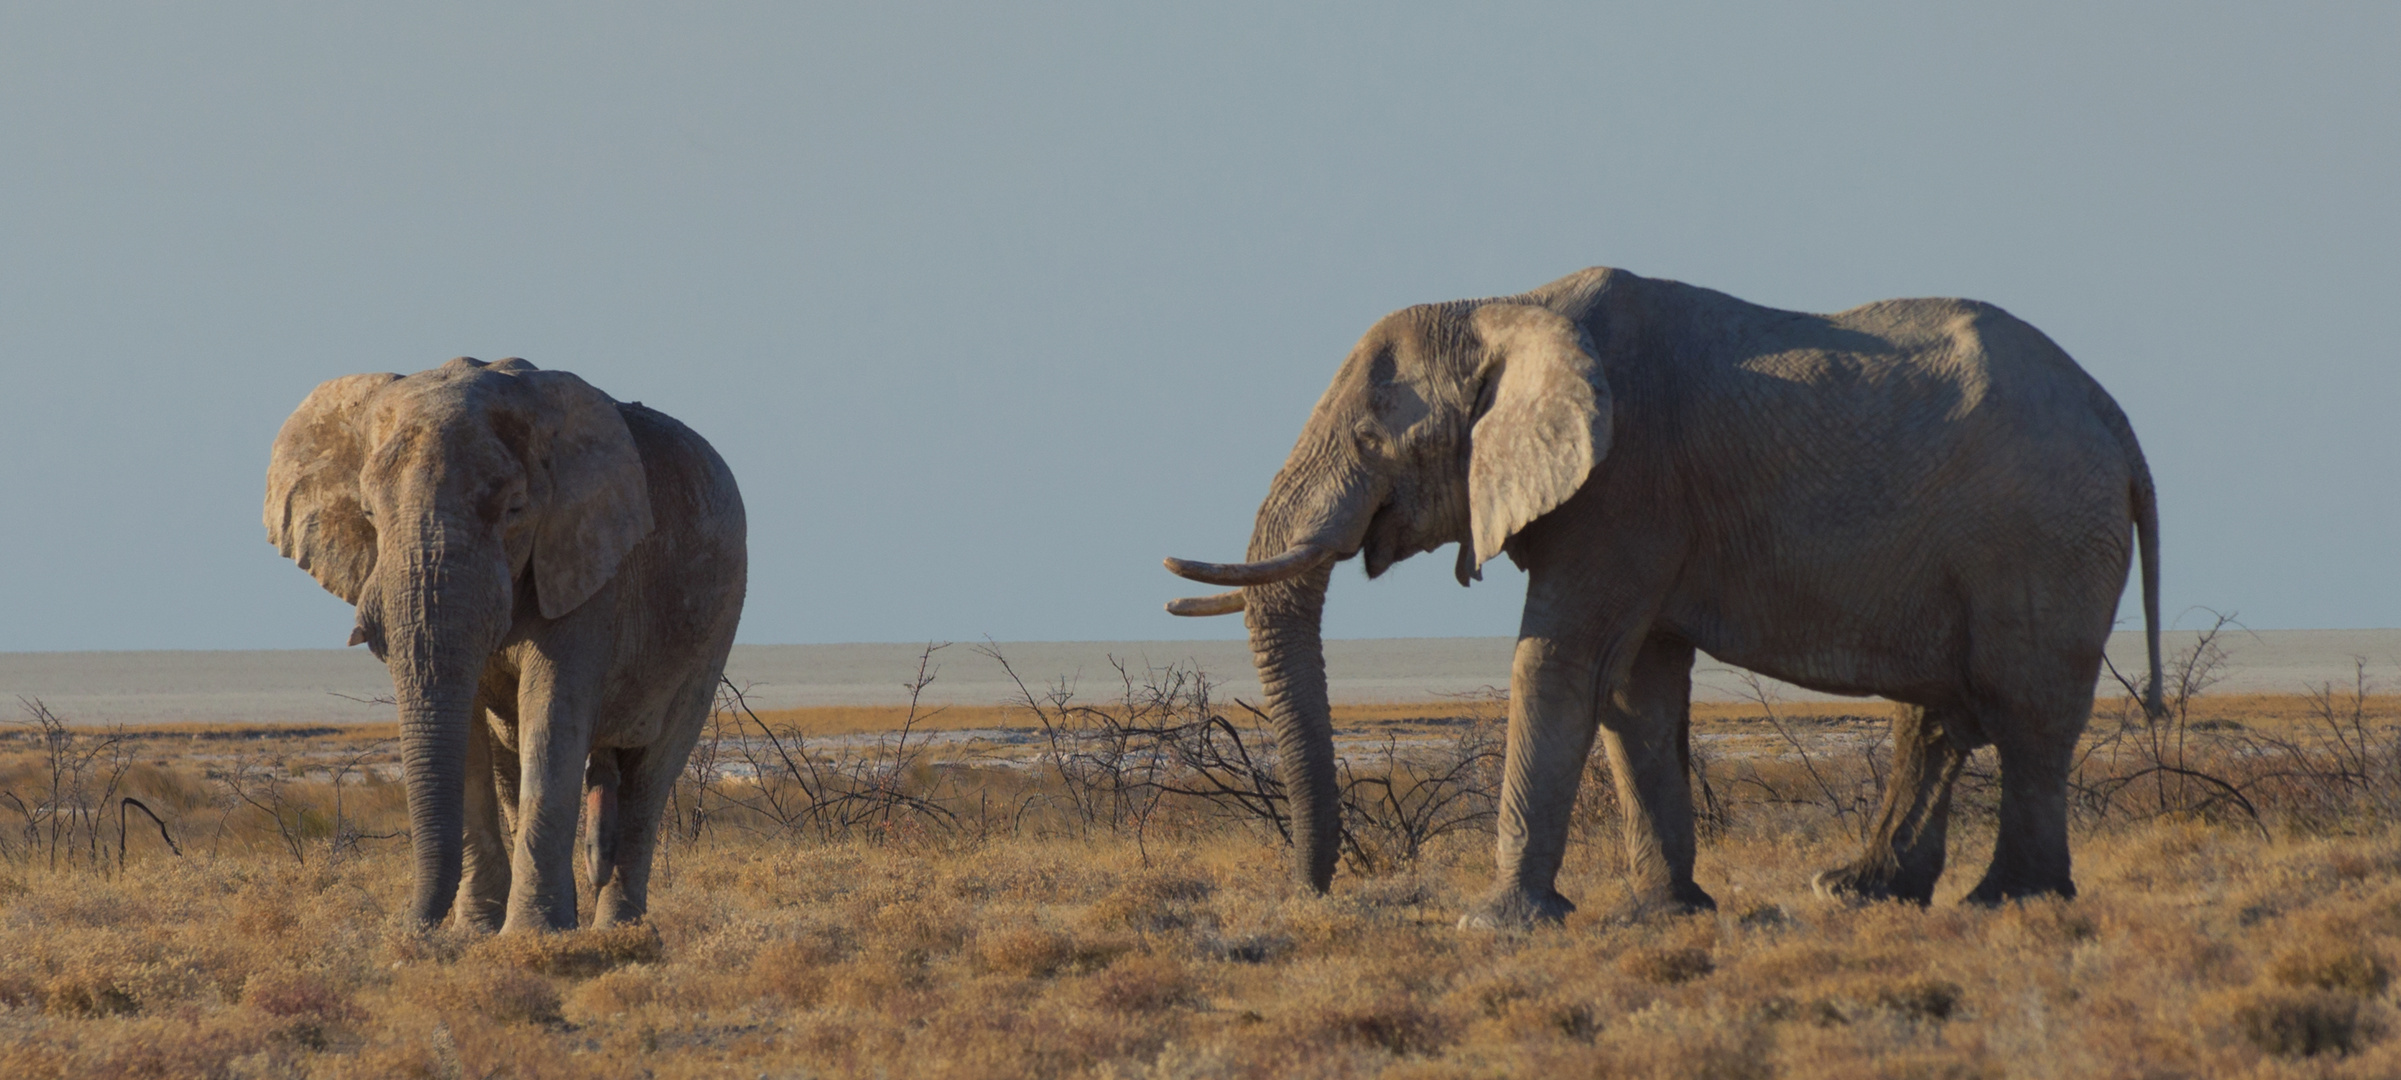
(368, 632)
(1379, 542)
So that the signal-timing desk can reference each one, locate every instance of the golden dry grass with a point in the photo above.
(2199, 948)
(2195, 951)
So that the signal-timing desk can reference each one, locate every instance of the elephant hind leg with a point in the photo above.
(646, 778)
(2030, 854)
(1905, 850)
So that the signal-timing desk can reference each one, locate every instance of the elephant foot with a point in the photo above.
(1992, 892)
(1637, 907)
(614, 909)
(536, 920)
(479, 916)
(1861, 883)
(1515, 907)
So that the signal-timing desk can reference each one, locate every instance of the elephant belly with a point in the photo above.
(634, 719)
(1857, 664)
(1851, 631)
(1925, 624)
(632, 711)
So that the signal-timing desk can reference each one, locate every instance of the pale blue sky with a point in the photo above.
(991, 306)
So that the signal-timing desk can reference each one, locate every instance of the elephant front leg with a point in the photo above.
(1905, 850)
(484, 886)
(1550, 734)
(554, 737)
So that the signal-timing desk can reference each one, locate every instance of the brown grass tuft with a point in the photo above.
(2299, 1023)
(85, 992)
(1919, 998)
(626, 990)
(1658, 1044)
(1668, 967)
(500, 994)
(1025, 951)
(2328, 964)
(1152, 901)
(792, 970)
(1142, 984)
(1393, 1022)
(574, 954)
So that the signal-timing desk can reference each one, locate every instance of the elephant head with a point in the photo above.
(447, 506)
(1456, 422)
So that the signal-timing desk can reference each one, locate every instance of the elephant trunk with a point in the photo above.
(1316, 514)
(1284, 619)
(433, 733)
(439, 634)
(1316, 511)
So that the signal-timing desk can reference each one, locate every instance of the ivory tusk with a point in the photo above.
(1266, 572)
(1224, 603)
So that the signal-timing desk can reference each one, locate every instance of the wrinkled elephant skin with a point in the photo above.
(553, 578)
(1925, 500)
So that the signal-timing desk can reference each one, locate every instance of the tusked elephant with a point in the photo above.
(1921, 499)
(553, 578)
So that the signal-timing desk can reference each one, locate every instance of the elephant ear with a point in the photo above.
(1543, 421)
(314, 514)
(599, 501)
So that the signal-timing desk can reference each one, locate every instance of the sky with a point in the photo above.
(992, 306)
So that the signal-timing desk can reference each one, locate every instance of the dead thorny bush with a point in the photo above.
(2340, 770)
(1165, 755)
(74, 783)
(61, 801)
(2152, 765)
(1167, 759)
(1842, 776)
(2343, 768)
(1397, 800)
(750, 774)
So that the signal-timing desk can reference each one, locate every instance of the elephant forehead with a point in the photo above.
(443, 397)
(443, 431)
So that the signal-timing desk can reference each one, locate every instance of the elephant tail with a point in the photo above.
(2146, 539)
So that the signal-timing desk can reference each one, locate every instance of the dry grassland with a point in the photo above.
(1045, 937)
